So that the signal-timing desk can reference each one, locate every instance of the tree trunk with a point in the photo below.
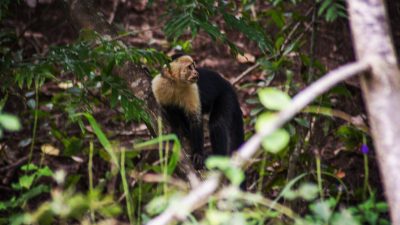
(381, 91)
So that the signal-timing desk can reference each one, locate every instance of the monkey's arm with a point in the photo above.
(197, 141)
(177, 119)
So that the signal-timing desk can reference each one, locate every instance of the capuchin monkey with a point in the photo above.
(185, 93)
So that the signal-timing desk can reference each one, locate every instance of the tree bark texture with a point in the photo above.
(85, 15)
(381, 91)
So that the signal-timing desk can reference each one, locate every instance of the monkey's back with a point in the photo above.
(212, 87)
(218, 98)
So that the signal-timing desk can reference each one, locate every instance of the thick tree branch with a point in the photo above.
(250, 148)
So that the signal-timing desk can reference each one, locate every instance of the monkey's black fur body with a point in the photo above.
(218, 99)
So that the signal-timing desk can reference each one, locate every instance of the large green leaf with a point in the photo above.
(277, 141)
(10, 122)
(102, 138)
(274, 99)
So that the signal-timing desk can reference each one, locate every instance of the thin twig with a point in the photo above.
(250, 148)
(356, 121)
(247, 71)
(291, 33)
(15, 164)
(135, 32)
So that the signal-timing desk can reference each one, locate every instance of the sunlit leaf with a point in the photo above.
(308, 191)
(157, 205)
(10, 122)
(49, 149)
(26, 181)
(277, 141)
(322, 209)
(219, 162)
(264, 120)
(223, 163)
(235, 175)
(274, 99)
(44, 171)
(29, 167)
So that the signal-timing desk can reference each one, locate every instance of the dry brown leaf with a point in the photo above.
(50, 149)
(246, 58)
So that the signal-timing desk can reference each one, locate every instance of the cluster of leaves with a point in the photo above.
(332, 9)
(368, 212)
(232, 206)
(91, 61)
(27, 189)
(64, 204)
(198, 15)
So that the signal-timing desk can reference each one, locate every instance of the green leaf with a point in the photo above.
(45, 171)
(331, 14)
(223, 163)
(128, 196)
(235, 175)
(29, 167)
(157, 205)
(174, 158)
(3, 102)
(10, 122)
(277, 141)
(322, 209)
(290, 48)
(345, 217)
(3, 206)
(324, 6)
(277, 17)
(382, 207)
(26, 181)
(290, 194)
(102, 138)
(274, 99)
(278, 43)
(302, 122)
(29, 194)
(219, 162)
(308, 191)
(264, 120)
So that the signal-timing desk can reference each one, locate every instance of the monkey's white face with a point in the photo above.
(182, 69)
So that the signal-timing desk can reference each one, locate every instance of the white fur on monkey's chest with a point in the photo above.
(185, 96)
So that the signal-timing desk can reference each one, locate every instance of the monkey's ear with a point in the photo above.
(166, 72)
